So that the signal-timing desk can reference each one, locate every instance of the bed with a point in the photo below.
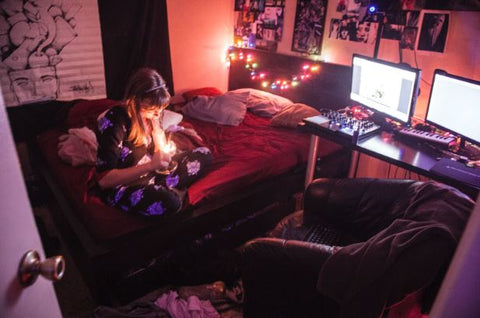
(244, 155)
(257, 172)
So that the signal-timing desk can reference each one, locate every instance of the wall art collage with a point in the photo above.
(259, 23)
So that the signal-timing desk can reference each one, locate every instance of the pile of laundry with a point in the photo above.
(213, 300)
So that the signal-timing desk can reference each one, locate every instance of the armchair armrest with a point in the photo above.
(279, 277)
(361, 206)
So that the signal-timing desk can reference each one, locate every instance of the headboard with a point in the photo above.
(329, 88)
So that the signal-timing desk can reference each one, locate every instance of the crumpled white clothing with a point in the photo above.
(193, 307)
(78, 147)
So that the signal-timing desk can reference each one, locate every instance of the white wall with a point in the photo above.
(200, 32)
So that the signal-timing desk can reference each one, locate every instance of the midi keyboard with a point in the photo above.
(441, 140)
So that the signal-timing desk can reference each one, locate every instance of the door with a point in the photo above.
(18, 235)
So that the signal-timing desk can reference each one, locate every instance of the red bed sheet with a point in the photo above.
(242, 156)
(246, 154)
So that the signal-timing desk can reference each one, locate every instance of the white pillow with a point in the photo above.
(226, 109)
(262, 103)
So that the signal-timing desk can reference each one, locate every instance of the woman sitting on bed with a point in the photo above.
(135, 169)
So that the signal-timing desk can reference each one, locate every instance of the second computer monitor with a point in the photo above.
(384, 87)
(454, 105)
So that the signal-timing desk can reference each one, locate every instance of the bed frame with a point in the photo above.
(120, 270)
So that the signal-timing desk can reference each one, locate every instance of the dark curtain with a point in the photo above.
(134, 34)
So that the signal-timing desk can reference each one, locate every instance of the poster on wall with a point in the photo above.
(349, 28)
(433, 34)
(394, 23)
(269, 24)
(309, 26)
(50, 50)
(401, 26)
(353, 23)
(244, 29)
(259, 24)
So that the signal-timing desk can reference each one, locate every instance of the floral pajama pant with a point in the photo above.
(158, 194)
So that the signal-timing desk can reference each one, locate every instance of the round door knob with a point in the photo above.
(30, 267)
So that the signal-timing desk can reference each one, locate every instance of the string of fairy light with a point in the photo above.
(266, 79)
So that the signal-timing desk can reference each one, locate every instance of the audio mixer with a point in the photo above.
(344, 124)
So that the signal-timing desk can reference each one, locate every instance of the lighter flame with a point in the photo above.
(168, 148)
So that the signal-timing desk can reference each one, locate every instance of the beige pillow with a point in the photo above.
(263, 103)
(291, 115)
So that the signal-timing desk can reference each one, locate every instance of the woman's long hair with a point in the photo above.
(144, 88)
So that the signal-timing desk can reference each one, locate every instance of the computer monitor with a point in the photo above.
(454, 106)
(389, 89)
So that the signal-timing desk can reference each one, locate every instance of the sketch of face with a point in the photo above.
(35, 84)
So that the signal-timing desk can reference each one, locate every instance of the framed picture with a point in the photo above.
(309, 26)
(434, 30)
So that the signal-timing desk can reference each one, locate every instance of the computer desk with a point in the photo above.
(410, 154)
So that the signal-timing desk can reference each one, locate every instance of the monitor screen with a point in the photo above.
(454, 105)
(388, 88)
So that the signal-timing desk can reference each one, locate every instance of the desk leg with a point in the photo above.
(352, 172)
(312, 160)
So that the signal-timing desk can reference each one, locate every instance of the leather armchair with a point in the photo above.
(398, 237)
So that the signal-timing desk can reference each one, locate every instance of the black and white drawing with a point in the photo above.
(33, 35)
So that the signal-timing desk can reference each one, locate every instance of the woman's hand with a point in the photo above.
(160, 160)
(158, 135)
